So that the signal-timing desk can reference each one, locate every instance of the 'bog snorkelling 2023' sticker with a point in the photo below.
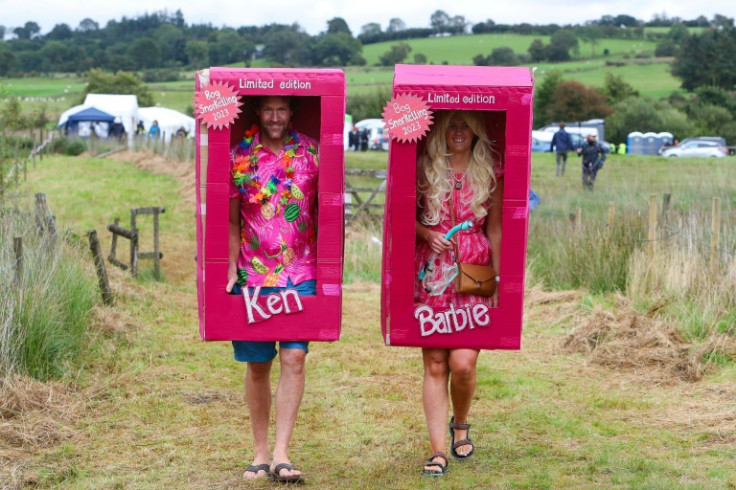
(407, 118)
(217, 105)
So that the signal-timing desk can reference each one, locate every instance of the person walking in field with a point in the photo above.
(593, 155)
(561, 144)
(459, 178)
(273, 245)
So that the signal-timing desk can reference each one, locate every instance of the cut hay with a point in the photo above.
(625, 339)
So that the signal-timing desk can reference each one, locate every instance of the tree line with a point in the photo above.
(160, 43)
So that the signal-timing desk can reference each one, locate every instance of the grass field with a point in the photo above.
(459, 50)
(156, 408)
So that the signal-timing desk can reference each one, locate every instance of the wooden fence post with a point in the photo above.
(715, 229)
(133, 245)
(18, 249)
(156, 253)
(652, 225)
(665, 206)
(41, 211)
(94, 245)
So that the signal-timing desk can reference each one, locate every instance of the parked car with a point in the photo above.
(717, 139)
(696, 148)
(539, 145)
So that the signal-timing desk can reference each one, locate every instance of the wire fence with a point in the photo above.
(11, 177)
(717, 238)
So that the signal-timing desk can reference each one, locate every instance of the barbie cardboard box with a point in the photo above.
(457, 192)
(270, 205)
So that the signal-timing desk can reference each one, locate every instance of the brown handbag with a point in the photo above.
(472, 278)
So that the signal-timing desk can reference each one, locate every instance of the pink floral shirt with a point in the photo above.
(278, 208)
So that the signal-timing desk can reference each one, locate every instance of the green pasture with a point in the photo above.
(460, 50)
(652, 79)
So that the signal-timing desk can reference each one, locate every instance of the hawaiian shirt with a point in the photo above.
(278, 197)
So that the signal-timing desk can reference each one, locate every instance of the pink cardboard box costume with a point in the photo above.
(320, 115)
(505, 96)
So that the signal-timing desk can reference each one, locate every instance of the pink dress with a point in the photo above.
(472, 245)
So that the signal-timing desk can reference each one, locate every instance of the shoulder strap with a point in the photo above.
(452, 217)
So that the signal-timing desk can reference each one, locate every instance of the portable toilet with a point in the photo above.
(635, 143)
(650, 144)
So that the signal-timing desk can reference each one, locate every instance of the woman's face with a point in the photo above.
(459, 135)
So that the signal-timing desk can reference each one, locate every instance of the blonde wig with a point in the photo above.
(434, 181)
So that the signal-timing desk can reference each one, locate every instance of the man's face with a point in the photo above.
(275, 116)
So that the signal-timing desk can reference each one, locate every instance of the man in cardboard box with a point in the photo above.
(273, 246)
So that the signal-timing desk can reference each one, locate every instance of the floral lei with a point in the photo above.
(245, 167)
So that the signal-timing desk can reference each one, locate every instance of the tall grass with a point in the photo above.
(363, 250)
(697, 294)
(43, 313)
(590, 255)
(675, 276)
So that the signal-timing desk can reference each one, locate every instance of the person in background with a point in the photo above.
(154, 131)
(354, 139)
(562, 144)
(593, 155)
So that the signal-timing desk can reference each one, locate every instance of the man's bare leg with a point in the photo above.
(258, 398)
(288, 399)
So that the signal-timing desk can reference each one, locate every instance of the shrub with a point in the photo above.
(68, 146)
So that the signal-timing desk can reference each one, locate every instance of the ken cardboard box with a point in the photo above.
(320, 115)
(504, 96)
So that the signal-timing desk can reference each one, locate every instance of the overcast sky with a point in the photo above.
(312, 15)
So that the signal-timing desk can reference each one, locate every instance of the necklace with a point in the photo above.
(458, 182)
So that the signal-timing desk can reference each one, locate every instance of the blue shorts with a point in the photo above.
(252, 351)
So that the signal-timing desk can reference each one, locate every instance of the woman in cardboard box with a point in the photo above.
(459, 178)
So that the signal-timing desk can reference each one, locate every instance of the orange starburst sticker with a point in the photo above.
(407, 118)
(217, 105)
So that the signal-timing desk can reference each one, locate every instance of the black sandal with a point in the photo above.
(255, 468)
(443, 467)
(276, 474)
(464, 442)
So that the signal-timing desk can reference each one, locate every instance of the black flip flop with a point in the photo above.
(464, 442)
(276, 474)
(443, 467)
(255, 468)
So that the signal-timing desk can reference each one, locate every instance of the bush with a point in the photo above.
(68, 146)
